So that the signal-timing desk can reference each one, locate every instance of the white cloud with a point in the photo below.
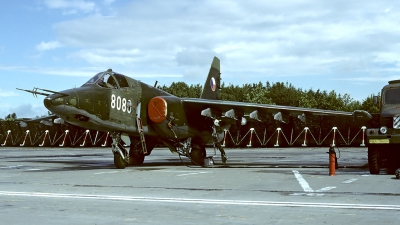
(108, 2)
(28, 110)
(108, 56)
(44, 46)
(73, 72)
(263, 40)
(7, 93)
(81, 72)
(71, 6)
(142, 25)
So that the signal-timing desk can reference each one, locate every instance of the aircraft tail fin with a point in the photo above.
(212, 85)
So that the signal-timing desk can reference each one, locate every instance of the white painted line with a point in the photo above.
(186, 174)
(174, 171)
(349, 181)
(115, 171)
(201, 201)
(325, 189)
(11, 167)
(303, 183)
(183, 171)
(307, 194)
(106, 172)
(306, 187)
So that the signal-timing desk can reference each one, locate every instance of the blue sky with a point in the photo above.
(347, 46)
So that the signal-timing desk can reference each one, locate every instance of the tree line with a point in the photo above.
(279, 93)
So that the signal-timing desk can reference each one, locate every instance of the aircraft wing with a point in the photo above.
(259, 112)
(46, 120)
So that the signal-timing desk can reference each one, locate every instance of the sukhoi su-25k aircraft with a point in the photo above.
(139, 115)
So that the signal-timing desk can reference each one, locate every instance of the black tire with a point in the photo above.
(197, 155)
(149, 146)
(397, 173)
(393, 160)
(136, 159)
(136, 145)
(119, 162)
(373, 160)
(136, 156)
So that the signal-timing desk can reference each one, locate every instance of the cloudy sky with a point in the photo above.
(347, 46)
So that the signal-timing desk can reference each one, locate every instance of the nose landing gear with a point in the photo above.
(121, 156)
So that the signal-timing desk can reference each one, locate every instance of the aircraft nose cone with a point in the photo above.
(47, 103)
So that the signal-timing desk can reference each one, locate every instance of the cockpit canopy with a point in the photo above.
(109, 79)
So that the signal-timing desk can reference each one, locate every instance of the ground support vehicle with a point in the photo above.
(384, 142)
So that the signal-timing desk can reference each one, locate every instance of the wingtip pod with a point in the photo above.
(361, 114)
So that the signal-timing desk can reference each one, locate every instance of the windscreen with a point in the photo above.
(392, 96)
(94, 78)
(109, 80)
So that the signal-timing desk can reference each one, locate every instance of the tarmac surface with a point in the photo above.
(256, 186)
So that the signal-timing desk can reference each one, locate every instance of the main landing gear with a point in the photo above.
(198, 152)
(197, 155)
(134, 157)
(218, 145)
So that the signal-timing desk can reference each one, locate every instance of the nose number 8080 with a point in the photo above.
(121, 104)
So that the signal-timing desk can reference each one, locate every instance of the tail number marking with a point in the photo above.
(121, 104)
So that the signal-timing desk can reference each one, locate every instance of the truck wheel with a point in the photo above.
(373, 160)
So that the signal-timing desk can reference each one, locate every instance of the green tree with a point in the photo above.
(307, 99)
(231, 93)
(11, 117)
(368, 104)
(279, 93)
(256, 93)
(182, 90)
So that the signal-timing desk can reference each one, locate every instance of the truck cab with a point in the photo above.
(384, 142)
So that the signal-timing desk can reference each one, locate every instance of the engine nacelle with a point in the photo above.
(167, 117)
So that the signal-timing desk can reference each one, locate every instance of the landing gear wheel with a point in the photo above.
(373, 160)
(397, 173)
(119, 162)
(197, 155)
(150, 144)
(136, 156)
(136, 159)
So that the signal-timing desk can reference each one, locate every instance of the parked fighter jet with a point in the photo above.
(139, 115)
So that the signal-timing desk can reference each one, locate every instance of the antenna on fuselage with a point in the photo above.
(155, 84)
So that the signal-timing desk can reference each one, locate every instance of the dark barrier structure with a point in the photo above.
(23, 133)
(319, 131)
